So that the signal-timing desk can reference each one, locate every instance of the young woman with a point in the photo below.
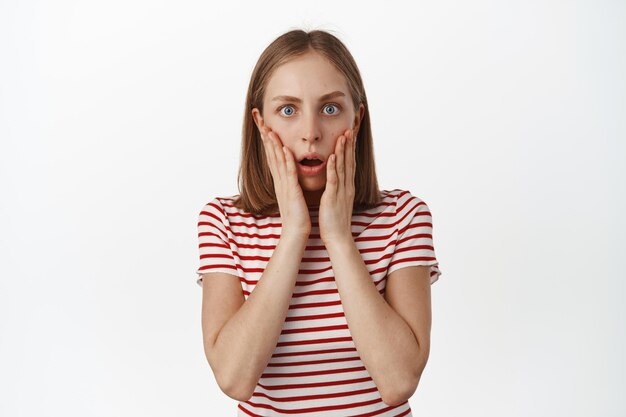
(316, 284)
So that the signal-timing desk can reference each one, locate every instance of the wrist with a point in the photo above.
(294, 238)
(342, 241)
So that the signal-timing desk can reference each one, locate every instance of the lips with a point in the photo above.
(311, 162)
(311, 159)
(311, 170)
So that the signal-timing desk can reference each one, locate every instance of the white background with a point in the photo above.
(120, 119)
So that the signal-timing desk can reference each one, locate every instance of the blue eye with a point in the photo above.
(287, 107)
(288, 110)
(332, 105)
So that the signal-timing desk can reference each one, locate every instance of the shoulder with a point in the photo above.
(395, 201)
(408, 209)
(219, 207)
(403, 199)
(216, 216)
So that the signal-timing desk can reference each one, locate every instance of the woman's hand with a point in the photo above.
(335, 212)
(294, 212)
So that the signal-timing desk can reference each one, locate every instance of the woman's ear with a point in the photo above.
(357, 118)
(258, 119)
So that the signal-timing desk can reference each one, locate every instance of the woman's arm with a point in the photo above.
(245, 344)
(385, 341)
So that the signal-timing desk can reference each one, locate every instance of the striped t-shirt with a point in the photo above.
(315, 369)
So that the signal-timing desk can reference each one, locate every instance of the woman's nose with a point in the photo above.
(311, 128)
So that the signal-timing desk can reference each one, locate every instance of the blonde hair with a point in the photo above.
(256, 184)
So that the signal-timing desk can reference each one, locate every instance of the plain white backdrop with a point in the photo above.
(119, 120)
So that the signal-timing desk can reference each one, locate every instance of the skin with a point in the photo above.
(392, 331)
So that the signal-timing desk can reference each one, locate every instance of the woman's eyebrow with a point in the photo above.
(322, 98)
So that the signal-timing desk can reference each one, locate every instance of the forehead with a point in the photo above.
(310, 75)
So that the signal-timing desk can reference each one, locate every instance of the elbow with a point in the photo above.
(398, 397)
(230, 381)
(235, 387)
(401, 394)
(238, 393)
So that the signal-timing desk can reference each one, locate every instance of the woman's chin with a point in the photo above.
(312, 184)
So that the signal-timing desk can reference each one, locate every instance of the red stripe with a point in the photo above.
(314, 352)
(314, 409)
(313, 373)
(315, 396)
(314, 341)
(304, 363)
(316, 329)
(214, 266)
(316, 317)
(384, 410)
(316, 384)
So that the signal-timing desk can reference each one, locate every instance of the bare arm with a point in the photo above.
(244, 345)
(388, 347)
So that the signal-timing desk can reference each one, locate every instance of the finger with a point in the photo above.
(279, 154)
(340, 160)
(269, 153)
(331, 176)
(291, 166)
(349, 163)
(354, 143)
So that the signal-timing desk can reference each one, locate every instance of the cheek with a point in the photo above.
(284, 134)
(284, 130)
(340, 130)
(340, 125)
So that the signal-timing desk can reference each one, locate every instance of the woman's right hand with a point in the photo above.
(294, 212)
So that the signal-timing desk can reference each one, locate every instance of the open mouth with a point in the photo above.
(310, 162)
(311, 166)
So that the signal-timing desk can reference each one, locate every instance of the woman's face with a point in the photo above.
(298, 108)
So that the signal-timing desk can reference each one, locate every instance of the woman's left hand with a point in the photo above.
(335, 212)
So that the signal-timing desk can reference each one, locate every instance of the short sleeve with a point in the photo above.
(414, 246)
(215, 251)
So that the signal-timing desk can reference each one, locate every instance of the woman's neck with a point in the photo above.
(313, 198)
